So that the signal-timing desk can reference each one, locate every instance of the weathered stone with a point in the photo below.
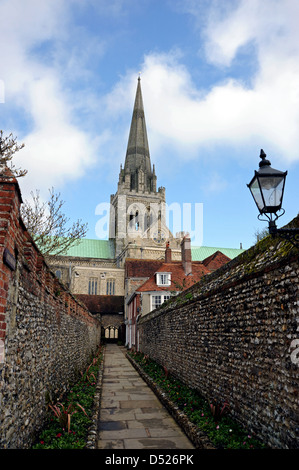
(48, 338)
(234, 342)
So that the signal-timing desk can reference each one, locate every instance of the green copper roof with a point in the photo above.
(88, 248)
(104, 249)
(199, 253)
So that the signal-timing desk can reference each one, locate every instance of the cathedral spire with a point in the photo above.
(138, 155)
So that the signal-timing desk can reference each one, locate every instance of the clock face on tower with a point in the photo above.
(159, 237)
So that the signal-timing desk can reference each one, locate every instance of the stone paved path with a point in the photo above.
(131, 415)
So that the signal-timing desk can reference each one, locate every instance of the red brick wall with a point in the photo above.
(35, 272)
(10, 238)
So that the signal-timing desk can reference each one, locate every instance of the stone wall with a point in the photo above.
(46, 335)
(77, 272)
(232, 337)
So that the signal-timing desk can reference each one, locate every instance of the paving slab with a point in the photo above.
(140, 404)
(152, 443)
(116, 414)
(123, 434)
(110, 444)
(131, 416)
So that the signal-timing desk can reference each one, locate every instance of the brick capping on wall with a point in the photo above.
(15, 238)
(230, 336)
(47, 335)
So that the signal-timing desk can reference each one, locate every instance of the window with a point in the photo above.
(163, 279)
(134, 221)
(157, 300)
(111, 332)
(110, 287)
(93, 286)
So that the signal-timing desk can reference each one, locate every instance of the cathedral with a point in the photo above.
(105, 274)
(137, 219)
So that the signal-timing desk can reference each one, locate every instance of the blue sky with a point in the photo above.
(220, 81)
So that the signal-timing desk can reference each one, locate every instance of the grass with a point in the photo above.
(68, 420)
(212, 418)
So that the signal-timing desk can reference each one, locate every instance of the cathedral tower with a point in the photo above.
(137, 215)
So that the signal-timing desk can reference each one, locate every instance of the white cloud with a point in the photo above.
(270, 24)
(56, 149)
(182, 116)
(266, 113)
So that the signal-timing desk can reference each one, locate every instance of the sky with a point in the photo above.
(220, 82)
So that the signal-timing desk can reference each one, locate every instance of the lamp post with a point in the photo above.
(267, 189)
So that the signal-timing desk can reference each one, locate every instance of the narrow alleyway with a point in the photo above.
(131, 416)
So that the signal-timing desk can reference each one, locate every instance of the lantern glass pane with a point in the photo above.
(256, 193)
(272, 189)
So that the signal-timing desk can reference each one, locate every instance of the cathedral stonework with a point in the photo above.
(106, 274)
(138, 209)
(137, 222)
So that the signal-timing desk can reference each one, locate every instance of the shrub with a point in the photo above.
(68, 420)
(218, 410)
(210, 417)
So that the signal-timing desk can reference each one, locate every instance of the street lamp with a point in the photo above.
(267, 188)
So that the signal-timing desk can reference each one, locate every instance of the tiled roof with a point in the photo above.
(141, 267)
(216, 260)
(179, 280)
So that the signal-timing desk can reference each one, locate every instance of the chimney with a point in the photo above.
(167, 253)
(186, 255)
